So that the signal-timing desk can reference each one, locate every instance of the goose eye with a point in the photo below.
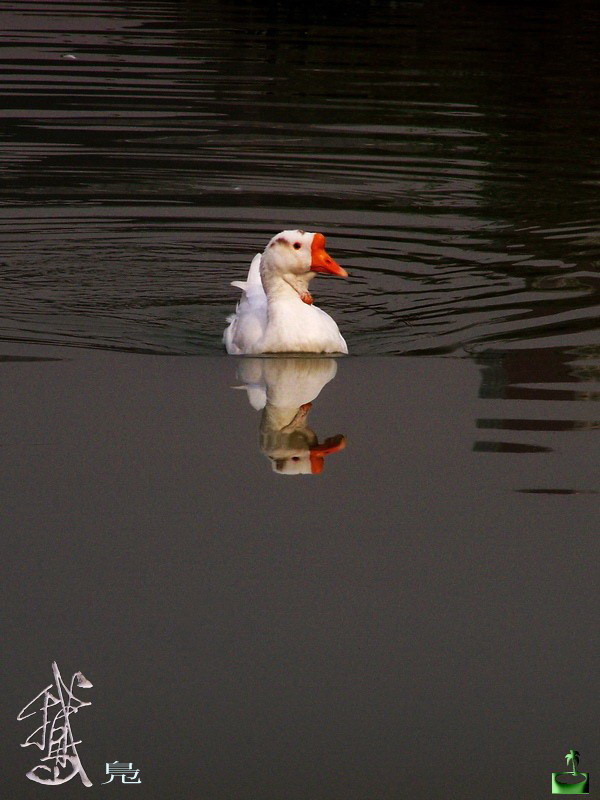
(297, 245)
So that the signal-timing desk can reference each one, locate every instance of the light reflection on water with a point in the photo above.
(284, 389)
(532, 408)
(539, 402)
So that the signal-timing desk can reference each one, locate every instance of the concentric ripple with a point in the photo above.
(150, 149)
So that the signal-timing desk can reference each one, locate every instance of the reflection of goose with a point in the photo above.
(275, 313)
(284, 389)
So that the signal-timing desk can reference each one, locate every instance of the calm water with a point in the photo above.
(423, 606)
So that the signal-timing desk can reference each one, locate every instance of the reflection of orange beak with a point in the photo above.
(321, 261)
(317, 453)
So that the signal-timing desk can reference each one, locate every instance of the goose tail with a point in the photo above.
(248, 323)
(253, 281)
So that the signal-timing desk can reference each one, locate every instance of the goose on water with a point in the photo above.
(276, 313)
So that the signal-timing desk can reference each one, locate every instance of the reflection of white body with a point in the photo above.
(275, 313)
(284, 389)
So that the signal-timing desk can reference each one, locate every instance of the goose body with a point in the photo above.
(275, 313)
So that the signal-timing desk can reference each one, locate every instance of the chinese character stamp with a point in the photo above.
(122, 770)
(54, 736)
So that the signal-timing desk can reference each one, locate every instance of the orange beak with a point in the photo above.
(321, 260)
(317, 453)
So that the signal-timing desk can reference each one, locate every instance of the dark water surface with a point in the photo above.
(421, 605)
(419, 619)
(150, 149)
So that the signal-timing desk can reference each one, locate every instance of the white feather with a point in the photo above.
(278, 321)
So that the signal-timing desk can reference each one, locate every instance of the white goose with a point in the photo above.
(275, 313)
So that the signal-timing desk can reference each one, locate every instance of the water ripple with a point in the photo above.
(150, 149)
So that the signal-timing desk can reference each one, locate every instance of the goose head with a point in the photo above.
(298, 452)
(293, 258)
(294, 449)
